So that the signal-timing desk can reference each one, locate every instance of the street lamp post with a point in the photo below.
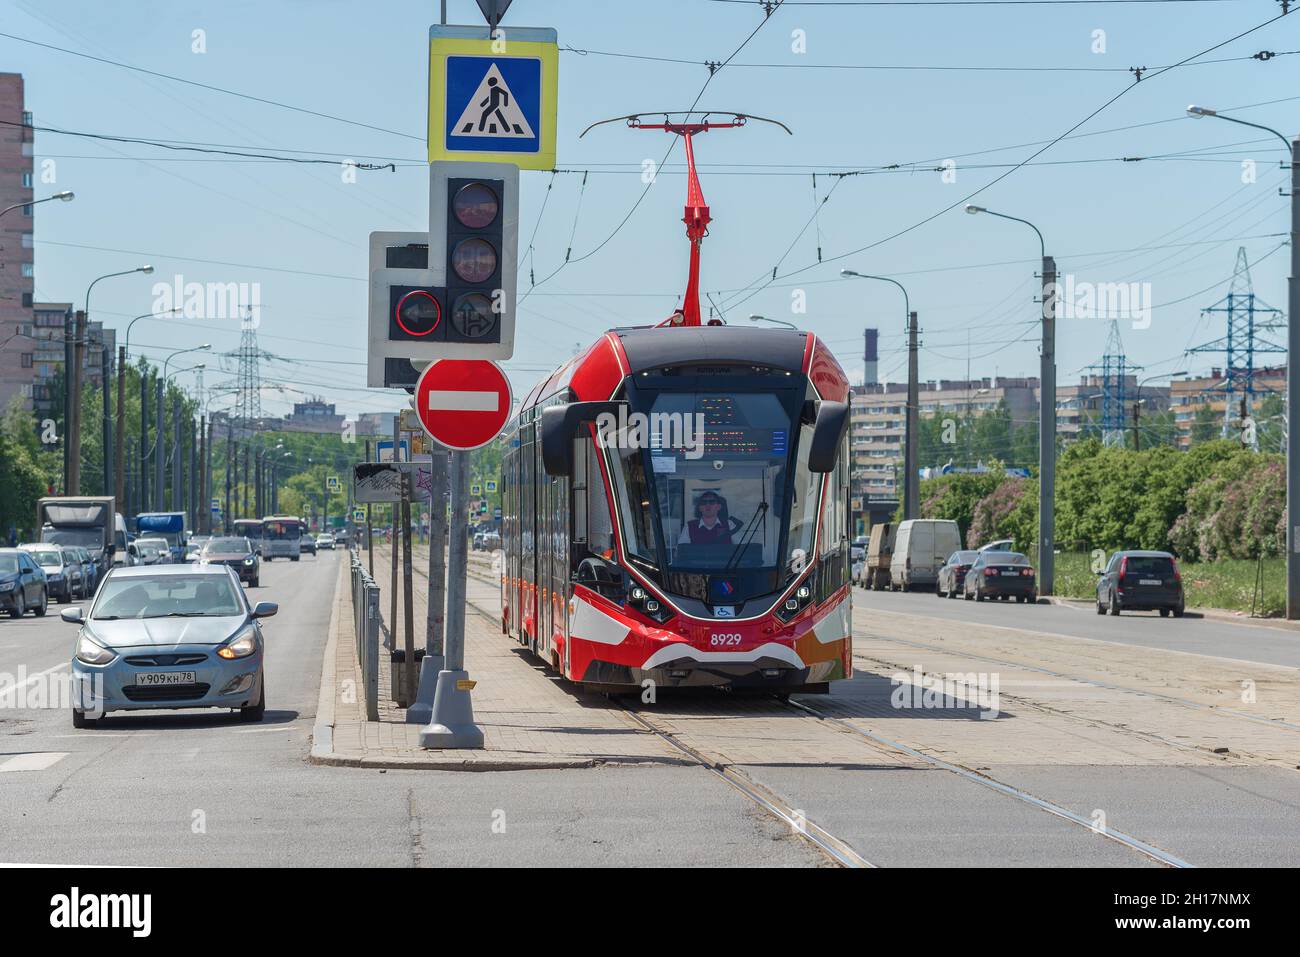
(159, 444)
(66, 196)
(72, 384)
(911, 481)
(1137, 404)
(1292, 355)
(1046, 413)
(777, 322)
(123, 353)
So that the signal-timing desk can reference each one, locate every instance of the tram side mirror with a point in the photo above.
(828, 434)
(559, 426)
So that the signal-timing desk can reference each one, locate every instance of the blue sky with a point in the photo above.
(301, 232)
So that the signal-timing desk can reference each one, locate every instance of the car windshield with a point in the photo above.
(1157, 565)
(713, 488)
(8, 564)
(281, 531)
(1005, 558)
(227, 546)
(89, 537)
(168, 596)
(963, 558)
(48, 559)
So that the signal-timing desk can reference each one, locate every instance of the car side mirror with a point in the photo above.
(72, 616)
(828, 434)
(265, 609)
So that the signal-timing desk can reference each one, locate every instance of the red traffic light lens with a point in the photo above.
(474, 260)
(472, 315)
(475, 205)
(418, 313)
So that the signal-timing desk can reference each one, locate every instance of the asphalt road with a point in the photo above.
(1264, 643)
(203, 789)
(199, 788)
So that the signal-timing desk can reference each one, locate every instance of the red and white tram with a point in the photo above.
(675, 506)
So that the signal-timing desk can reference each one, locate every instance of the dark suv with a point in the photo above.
(238, 554)
(1141, 581)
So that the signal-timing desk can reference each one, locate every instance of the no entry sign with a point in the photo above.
(463, 403)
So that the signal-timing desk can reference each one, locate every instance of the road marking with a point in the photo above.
(33, 761)
(15, 685)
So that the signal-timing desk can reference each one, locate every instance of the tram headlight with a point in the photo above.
(640, 599)
(795, 603)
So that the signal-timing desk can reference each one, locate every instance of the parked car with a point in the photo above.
(236, 553)
(22, 584)
(89, 569)
(874, 573)
(1000, 575)
(168, 637)
(1001, 545)
(306, 544)
(325, 541)
(491, 541)
(952, 576)
(64, 577)
(1141, 581)
(920, 548)
(477, 542)
(858, 548)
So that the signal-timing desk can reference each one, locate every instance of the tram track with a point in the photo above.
(1048, 672)
(835, 848)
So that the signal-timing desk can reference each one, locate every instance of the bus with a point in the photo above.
(282, 537)
(249, 528)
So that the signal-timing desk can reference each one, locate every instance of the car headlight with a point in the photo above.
(248, 560)
(7, 586)
(92, 653)
(241, 646)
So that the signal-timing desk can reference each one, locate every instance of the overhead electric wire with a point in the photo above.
(211, 88)
(997, 179)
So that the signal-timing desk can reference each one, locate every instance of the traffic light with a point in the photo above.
(448, 293)
(476, 207)
(474, 243)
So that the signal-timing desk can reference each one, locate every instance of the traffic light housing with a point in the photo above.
(448, 293)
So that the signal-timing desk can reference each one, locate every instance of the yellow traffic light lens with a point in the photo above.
(474, 260)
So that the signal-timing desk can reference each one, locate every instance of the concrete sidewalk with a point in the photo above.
(529, 720)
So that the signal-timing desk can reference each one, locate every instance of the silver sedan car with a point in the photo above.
(167, 637)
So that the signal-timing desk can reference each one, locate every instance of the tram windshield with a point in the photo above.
(706, 490)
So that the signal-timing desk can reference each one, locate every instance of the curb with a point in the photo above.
(323, 754)
(1217, 614)
(322, 733)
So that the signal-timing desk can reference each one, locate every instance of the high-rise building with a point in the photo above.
(17, 266)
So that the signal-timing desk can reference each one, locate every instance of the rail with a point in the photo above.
(366, 624)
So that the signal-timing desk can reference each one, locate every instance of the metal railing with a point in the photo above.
(366, 622)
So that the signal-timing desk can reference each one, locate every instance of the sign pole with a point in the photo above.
(421, 709)
(408, 597)
(370, 527)
(392, 534)
(452, 725)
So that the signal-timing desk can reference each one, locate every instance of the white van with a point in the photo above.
(921, 547)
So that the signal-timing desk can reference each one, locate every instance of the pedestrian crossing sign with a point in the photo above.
(493, 100)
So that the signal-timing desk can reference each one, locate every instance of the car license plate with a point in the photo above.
(166, 678)
(1010, 571)
(1150, 581)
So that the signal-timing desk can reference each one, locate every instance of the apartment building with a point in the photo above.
(17, 266)
(1187, 397)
